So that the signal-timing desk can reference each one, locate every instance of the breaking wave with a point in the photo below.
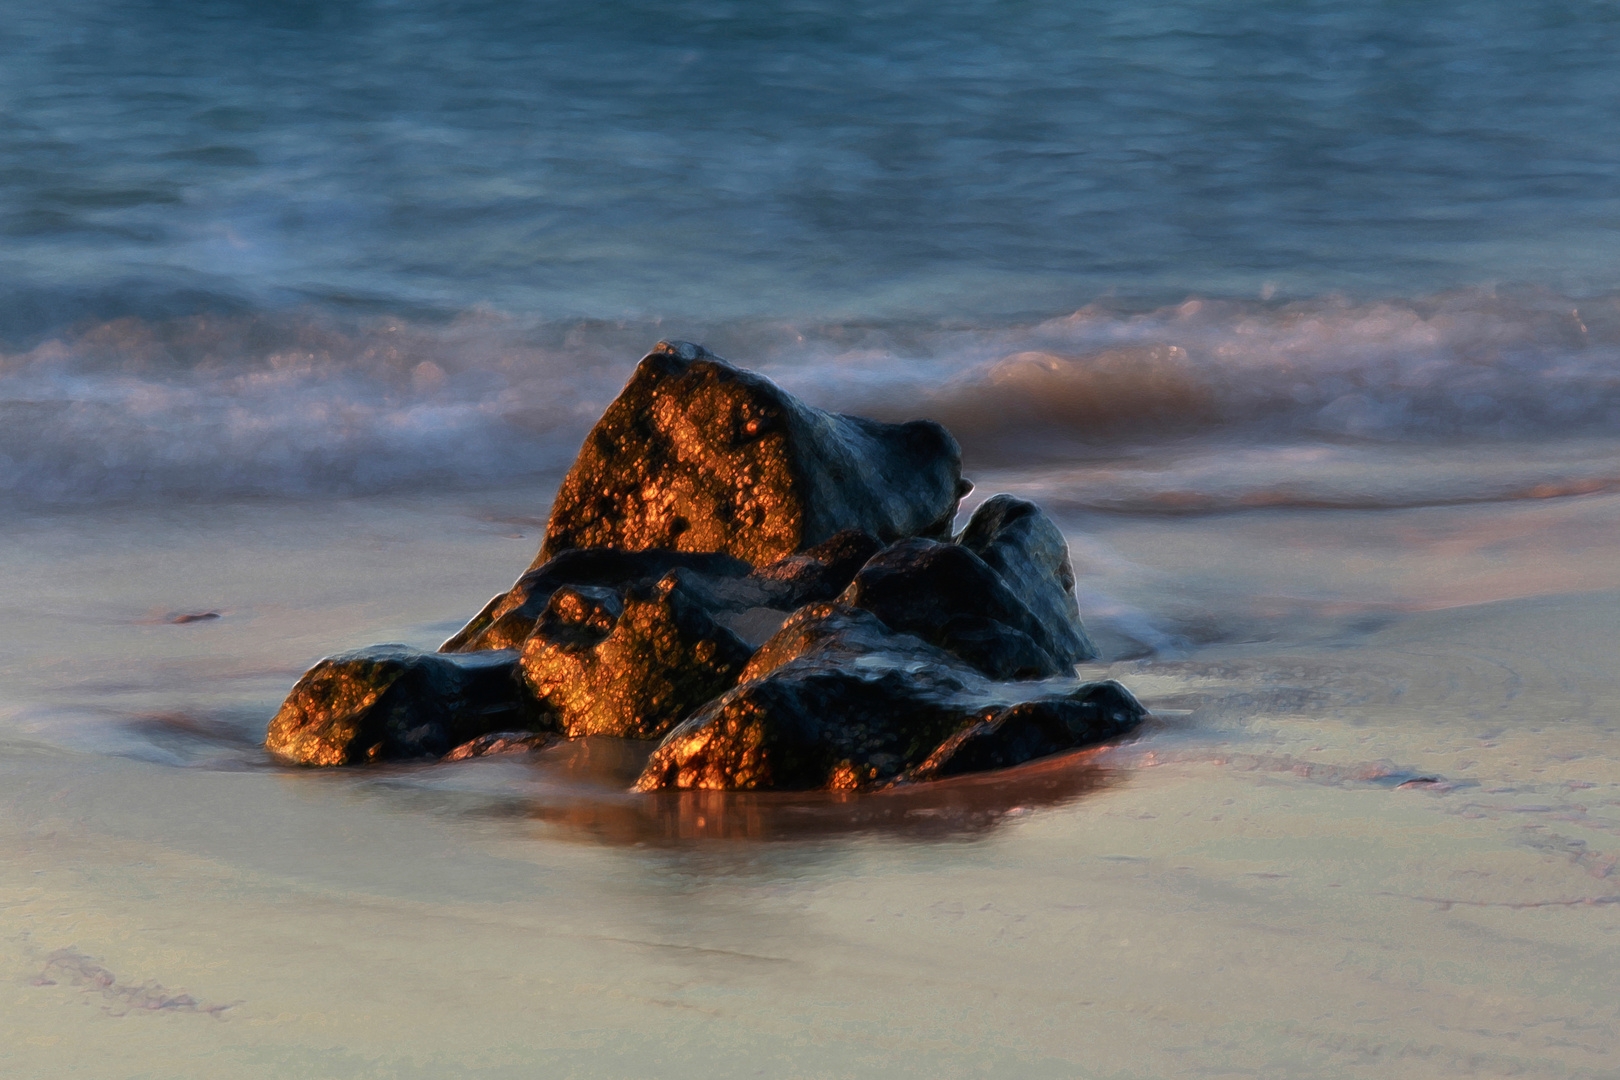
(308, 403)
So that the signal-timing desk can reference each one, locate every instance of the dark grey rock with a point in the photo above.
(1017, 540)
(509, 618)
(948, 596)
(391, 701)
(840, 700)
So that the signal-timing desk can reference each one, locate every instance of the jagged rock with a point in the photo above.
(631, 667)
(839, 700)
(697, 455)
(390, 701)
(498, 743)
(1019, 542)
(731, 591)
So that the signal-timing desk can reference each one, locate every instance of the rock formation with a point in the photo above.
(710, 512)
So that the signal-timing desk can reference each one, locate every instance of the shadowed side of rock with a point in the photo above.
(946, 595)
(839, 700)
(1001, 598)
(697, 455)
(389, 701)
(1026, 549)
(1031, 729)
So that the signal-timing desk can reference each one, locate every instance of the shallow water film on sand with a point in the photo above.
(1301, 320)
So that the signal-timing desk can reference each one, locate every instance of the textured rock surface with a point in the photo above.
(696, 455)
(839, 700)
(390, 701)
(707, 505)
(631, 667)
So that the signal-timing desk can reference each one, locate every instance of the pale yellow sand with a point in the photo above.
(1246, 890)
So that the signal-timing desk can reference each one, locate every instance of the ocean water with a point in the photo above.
(1302, 318)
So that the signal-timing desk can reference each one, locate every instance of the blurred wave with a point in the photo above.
(306, 403)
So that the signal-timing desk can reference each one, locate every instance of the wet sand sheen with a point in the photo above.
(1373, 825)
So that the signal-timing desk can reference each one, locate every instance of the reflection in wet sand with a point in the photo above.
(594, 805)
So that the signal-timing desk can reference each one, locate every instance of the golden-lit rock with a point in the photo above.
(697, 455)
(390, 701)
(838, 700)
(631, 667)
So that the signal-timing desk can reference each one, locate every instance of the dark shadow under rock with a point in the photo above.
(697, 455)
(631, 668)
(839, 700)
(391, 701)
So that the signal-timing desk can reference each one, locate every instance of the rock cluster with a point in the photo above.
(770, 589)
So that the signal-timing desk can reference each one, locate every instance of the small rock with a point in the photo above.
(948, 596)
(390, 701)
(501, 742)
(723, 585)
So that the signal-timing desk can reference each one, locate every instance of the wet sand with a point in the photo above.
(1372, 827)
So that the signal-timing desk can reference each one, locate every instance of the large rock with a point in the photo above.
(839, 700)
(728, 588)
(696, 455)
(630, 666)
(390, 701)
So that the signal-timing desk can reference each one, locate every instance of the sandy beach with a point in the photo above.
(1302, 321)
(1371, 826)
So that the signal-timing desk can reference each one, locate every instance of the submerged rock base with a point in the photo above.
(770, 589)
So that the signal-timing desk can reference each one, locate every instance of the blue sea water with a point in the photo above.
(353, 246)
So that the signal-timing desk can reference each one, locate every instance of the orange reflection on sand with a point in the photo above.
(959, 807)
